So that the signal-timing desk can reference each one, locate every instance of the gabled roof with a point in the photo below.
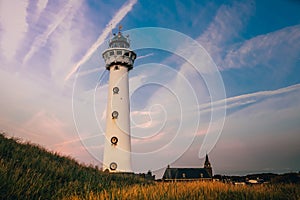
(186, 173)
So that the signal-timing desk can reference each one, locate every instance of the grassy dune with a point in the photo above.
(30, 172)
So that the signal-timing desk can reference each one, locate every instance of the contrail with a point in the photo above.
(42, 39)
(126, 8)
(41, 5)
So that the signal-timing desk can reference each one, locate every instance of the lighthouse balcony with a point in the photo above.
(120, 56)
(121, 60)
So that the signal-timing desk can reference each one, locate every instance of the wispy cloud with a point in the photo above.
(124, 10)
(276, 48)
(46, 123)
(247, 99)
(222, 39)
(13, 26)
(90, 71)
(41, 40)
(145, 56)
(41, 5)
(264, 132)
(226, 27)
(63, 47)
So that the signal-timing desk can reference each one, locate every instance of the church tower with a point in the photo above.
(119, 59)
(207, 166)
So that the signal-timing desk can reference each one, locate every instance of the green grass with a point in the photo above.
(28, 171)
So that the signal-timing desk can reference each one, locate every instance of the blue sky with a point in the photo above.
(54, 84)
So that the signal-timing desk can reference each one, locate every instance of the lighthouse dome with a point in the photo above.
(119, 41)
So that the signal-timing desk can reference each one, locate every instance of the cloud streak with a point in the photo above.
(246, 99)
(226, 27)
(279, 47)
(222, 39)
(124, 10)
(41, 5)
(41, 40)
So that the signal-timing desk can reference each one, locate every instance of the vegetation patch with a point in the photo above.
(28, 171)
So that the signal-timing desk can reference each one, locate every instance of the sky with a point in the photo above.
(216, 77)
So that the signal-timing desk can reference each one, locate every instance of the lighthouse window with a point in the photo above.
(113, 166)
(116, 68)
(119, 52)
(111, 53)
(114, 140)
(115, 90)
(115, 114)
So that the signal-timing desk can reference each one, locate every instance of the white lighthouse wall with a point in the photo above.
(119, 127)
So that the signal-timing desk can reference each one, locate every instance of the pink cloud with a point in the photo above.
(13, 26)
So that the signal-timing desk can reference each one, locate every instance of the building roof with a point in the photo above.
(186, 173)
(119, 41)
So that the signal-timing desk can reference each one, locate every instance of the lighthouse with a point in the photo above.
(119, 59)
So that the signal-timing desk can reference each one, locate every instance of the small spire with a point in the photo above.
(206, 163)
(110, 32)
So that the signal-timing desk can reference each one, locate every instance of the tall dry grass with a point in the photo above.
(198, 190)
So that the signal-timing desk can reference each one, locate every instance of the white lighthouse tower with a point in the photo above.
(119, 60)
